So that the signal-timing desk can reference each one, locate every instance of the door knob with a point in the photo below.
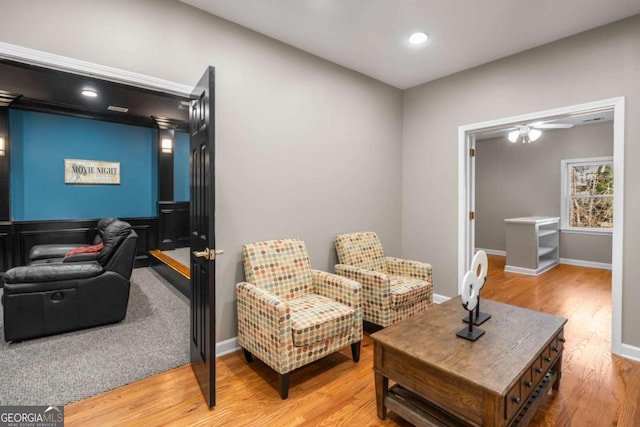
(208, 254)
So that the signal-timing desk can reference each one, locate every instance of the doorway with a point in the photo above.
(466, 191)
(201, 114)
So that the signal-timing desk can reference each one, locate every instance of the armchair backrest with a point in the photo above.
(120, 247)
(100, 227)
(281, 267)
(362, 249)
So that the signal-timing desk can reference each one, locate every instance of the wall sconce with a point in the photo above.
(166, 145)
(3, 148)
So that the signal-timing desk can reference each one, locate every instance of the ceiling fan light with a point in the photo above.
(534, 134)
(513, 135)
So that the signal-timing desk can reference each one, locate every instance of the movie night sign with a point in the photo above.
(91, 172)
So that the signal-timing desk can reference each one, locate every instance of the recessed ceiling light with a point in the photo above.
(418, 38)
(90, 93)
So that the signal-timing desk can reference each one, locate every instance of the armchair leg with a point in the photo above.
(247, 355)
(284, 385)
(355, 351)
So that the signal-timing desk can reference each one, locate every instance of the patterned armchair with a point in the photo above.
(290, 315)
(392, 288)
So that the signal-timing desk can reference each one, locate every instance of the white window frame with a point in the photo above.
(564, 203)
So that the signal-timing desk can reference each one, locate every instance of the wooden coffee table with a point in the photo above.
(444, 380)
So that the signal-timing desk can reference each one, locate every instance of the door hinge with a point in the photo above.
(472, 152)
(472, 215)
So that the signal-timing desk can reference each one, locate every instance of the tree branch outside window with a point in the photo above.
(588, 194)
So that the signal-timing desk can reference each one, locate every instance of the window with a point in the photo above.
(587, 194)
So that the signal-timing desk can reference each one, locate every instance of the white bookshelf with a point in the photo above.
(533, 244)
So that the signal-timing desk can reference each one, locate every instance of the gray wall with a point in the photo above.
(599, 64)
(515, 180)
(305, 148)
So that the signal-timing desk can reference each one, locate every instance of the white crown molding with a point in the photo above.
(76, 66)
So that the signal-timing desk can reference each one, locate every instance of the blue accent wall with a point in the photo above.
(40, 143)
(181, 167)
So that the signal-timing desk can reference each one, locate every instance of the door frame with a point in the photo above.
(466, 194)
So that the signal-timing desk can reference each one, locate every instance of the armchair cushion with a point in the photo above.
(316, 318)
(361, 250)
(281, 267)
(408, 291)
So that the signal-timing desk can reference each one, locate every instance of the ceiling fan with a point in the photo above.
(531, 132)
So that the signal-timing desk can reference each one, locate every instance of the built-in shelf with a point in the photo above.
(543, 250)
(543, 233)
(532, 244)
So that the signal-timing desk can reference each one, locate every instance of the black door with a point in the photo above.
(201, 218)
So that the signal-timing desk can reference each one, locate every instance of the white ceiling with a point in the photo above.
(370, 36)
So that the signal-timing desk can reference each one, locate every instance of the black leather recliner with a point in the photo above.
(46, 299)
(48, 253)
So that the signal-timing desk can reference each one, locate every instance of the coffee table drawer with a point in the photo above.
(536, 370)
(526, 383)
(557, 345)
(513, 401)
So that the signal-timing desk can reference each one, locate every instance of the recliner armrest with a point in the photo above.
(83, 257)
(52, 272)
(52, 251)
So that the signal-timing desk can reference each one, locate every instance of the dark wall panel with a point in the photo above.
(5, 207)
(5, 255)
(173, 225)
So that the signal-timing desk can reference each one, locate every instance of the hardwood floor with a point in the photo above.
(597, 389)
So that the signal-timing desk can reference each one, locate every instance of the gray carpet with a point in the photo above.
(61, 369)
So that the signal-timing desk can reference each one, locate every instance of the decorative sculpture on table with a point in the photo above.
(479, 266)
(470, 295)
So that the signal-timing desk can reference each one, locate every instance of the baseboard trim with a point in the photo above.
(520, 270)
(492, 251)
(590, 264)
(227, 346)
(630, 352)
(439, 299)
(567, 261)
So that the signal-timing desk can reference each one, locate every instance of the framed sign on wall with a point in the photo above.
(91, 172)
